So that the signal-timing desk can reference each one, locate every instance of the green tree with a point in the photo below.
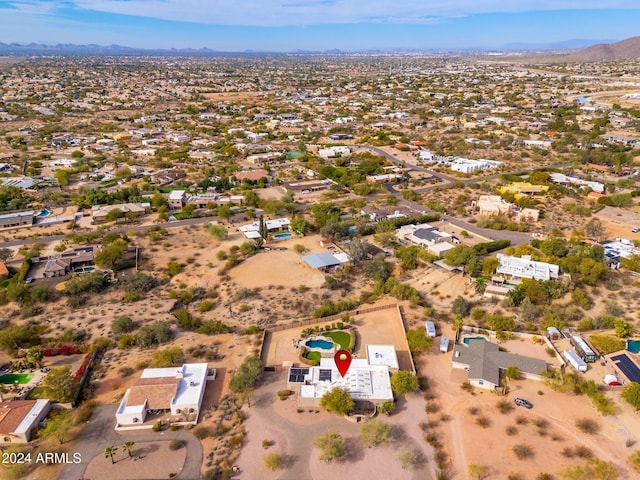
(244, 378)
(59, 384)
(379, 269)
(109, 452)
(387, 407)
(403, 382)
(128, 446)
(418, 341)
(113, 215)
(169, 357)
(217, 231)
(513, 373)
(262, 228)
(34, 354)
(299, 225)
(594, 229)
(631, 394)
(460, 255)
(332, 445)
(110, 255)
(374, 432)
(58, 426)
(623, 329)
(461, 306)
(357, 250)
(224, 211)
(337, 400)
(62, 177)
(5, 254)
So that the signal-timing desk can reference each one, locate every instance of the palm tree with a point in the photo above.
(128, 446)
(109, 452)
(480, 284)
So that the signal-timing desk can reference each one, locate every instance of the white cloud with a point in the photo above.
(314, 12)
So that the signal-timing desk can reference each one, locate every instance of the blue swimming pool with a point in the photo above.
(317, 343)
(468, 339)
(633, 346)
(282, 236)
(44, 213)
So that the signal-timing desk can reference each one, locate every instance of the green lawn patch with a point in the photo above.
(10, 378)
(314, 356)
(341, 338)
(36, 393)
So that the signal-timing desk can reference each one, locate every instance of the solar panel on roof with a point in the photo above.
(324, 375)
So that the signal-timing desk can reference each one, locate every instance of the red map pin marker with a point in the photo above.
(343, 361)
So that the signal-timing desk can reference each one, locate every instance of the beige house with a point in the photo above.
(493, 205)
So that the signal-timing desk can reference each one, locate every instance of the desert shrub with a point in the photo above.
(588, 426)
(511, 430)
(505, 406)
(523, 452)
(176, 444)
(583, 452)
(125, 372)
(483, 421)
(284, 394)
(201, 432)
(213, 327)
(122, 324)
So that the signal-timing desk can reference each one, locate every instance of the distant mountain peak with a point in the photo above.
(622, 50)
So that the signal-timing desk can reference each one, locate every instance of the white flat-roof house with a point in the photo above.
(178, 390)
(524, 267)
(252, 230)
(367, 379)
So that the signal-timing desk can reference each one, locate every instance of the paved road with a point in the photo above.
(100, 433)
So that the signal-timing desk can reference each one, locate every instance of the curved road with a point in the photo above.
(100, 433)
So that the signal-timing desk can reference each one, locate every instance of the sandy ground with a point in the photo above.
(278, 268)
(618, 222)
(468, 443)
(382, 327)
(149, 460)
(293, 434)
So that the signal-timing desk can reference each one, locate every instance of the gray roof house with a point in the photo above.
(485, 363)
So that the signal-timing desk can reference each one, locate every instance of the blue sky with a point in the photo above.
(289, 25)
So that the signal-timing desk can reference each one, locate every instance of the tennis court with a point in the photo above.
(628, 367)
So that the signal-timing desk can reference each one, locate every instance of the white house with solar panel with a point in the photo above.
(367, 379)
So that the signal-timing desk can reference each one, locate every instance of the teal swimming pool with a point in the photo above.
(633, 346)
(319, 343)
(468, 339)
(282, 236)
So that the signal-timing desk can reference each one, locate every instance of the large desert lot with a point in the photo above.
(549, 428)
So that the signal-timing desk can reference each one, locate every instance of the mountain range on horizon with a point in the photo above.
(569, 50)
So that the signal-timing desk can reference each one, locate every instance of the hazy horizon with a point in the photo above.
(290, 25)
